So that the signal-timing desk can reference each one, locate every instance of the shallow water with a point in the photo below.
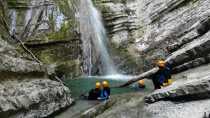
(83, 85)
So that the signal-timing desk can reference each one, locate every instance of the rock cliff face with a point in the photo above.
(25, 90)
(32, 97)
(162, 28)
(188, 87)
(140, 31)
(48, 29)
(154, 29)
(121, 21)
(179, 100)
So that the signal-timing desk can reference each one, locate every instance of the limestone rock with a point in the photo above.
(120, 19)
(11, 61)
(30, 98)
(25, 90)
(192, 85)
(167, 109)
(155, 29)
(48, 29)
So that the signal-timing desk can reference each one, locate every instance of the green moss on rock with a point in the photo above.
(18, 3)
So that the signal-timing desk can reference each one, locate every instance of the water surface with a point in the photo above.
(83, 85)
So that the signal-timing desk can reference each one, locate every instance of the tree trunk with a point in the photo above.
(139, 77)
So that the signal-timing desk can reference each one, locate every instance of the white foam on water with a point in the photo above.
(118, 77)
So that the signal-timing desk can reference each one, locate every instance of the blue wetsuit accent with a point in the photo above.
(104, 95)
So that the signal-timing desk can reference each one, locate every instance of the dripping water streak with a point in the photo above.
(13, 22)
(28, 16)
(90, 69)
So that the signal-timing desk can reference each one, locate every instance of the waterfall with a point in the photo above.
(90, 60)
(28, 16)
(13, 21)
(92, 30)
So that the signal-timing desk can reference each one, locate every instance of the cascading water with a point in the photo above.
(28, 16)
(13, 21)
(92, 30)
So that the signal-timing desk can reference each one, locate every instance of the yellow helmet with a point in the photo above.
(141, 82)
(105, 84)
(161, 63)
(98, 85)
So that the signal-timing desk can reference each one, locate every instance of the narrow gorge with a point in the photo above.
(54, 51)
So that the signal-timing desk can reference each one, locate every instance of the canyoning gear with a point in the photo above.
(94, 94)
(141, 84)
(168, 82)
(156, 83)
(161, 63)
(105, 93)
(98, 93)
(105, 84)
(98, 85)
(163, 75)
(107, 90)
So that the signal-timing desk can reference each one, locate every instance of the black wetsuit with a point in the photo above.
(94, 94)
(107, 89)
(141, 86)
(161, 76)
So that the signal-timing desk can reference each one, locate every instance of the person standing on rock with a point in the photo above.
(163, 76)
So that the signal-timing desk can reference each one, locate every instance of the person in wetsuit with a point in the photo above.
(105, 94)
(141, 84)
(163, 76)
(94, 94)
